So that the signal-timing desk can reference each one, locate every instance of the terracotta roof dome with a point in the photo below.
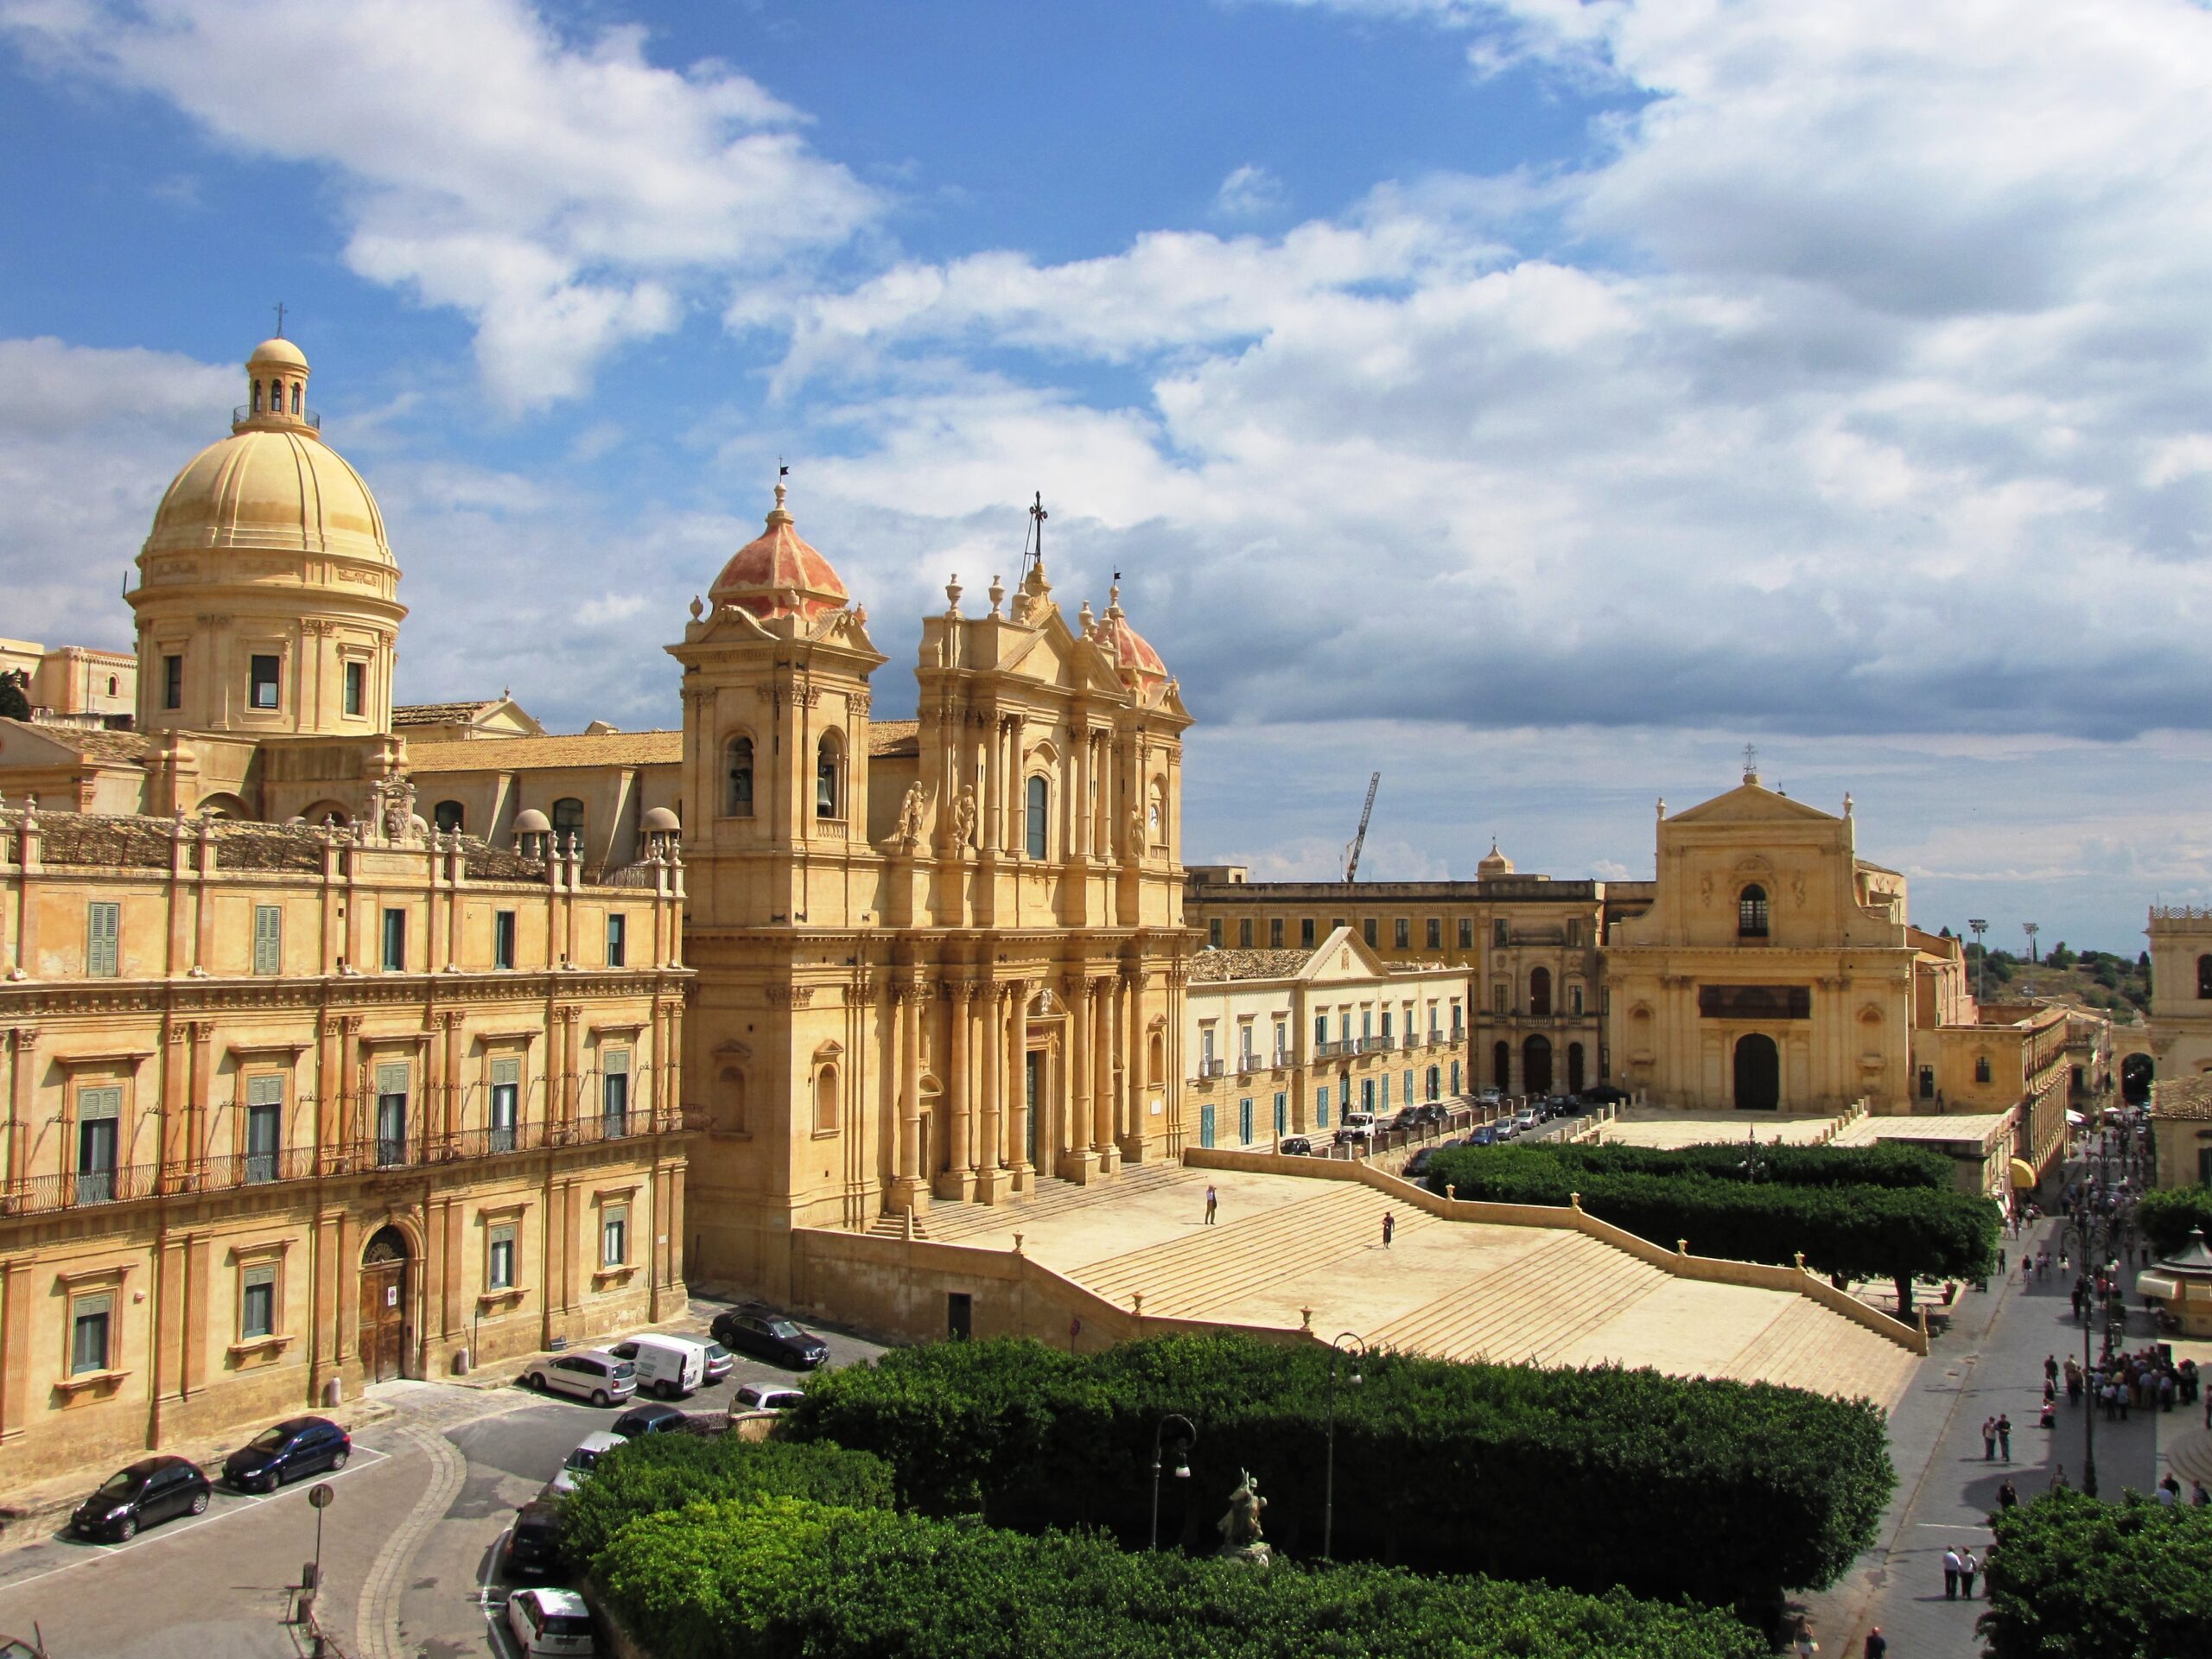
(776, 574)
(1133, 652)
(1494, 863)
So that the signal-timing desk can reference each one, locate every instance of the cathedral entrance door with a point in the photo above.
(384, 1306)
(1758, 1073)
(1536, 1066)
(1033, 1084)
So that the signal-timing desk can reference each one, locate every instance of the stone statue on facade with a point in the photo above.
(1240, 1534)
(963, 818)
(909, 818)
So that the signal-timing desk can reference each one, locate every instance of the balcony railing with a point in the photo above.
(1212, 1068)
(1374, 1045)
(69, 1190)
(312, 419)
(1284, 1057)
(1248, 1061)
(1330, 1048)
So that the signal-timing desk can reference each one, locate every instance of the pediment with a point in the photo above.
(1753, 803)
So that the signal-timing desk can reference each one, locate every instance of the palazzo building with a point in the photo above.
(293, 1105)
(940, 957)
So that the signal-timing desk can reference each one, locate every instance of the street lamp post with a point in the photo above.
(2031, 929)
(1358, 1351)
(2092, 1240)
(1184, 1442)
(1978, 926)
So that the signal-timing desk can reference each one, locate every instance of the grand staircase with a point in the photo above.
(951, 1222)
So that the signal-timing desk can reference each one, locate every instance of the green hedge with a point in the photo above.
(2075, 1578)
(1886, 1164)
(776, 1578)
(1723, 1490)
(666, 1472)
(2166, 1214)
(1861, 1230)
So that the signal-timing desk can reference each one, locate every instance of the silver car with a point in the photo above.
(590, 1374)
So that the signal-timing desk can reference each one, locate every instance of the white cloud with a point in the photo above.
(1248, 192)
(566, 194)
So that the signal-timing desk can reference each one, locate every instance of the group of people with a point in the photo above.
(2146, 1380)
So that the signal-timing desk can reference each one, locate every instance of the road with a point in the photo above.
(410, 1542)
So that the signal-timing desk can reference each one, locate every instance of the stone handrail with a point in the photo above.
(1711, 1270)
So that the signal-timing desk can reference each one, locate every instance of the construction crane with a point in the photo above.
(1351, 851)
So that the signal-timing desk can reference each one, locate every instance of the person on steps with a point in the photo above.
(1213, 1202)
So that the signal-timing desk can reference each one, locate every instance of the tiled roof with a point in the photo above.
(1213, 966)
(96, 745)
(99, 841)
(2183, 1097)
(544, 754)
(894, 737)
(439, 714)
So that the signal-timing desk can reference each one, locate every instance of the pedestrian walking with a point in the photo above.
(1878, 1645)
(1801, 1642)
(1968, 1567)
(2007, 1497)
(2001, 1267)
(2198, 1496)
(1989, 1440)
(2058, 1481)
(1389, 1228)
(2005, 1437)
(2169, 1490)
(1213, 1202)
(1951, 1575)
(2050, 1368)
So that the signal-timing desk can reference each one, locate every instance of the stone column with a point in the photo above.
(909, 1189)
(957, 1181)
(1023, 1174)
(994, 1165)
(1133, 1066)
(1101, 1075)
(1077, 1160)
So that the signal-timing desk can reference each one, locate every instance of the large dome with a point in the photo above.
(273, 486)
(778, 574)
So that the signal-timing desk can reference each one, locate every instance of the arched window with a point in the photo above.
(737, 795)
(1156, 1059)
(1982, 1068)
(828, 796)
(110, 685)
(1033, 821)
(568, 820)
(1157, 819)
(2204, 976)
(257, 396)
(447, 815)
(825, 1098)
(296, 389)
(1540, 992)
(1751, 913)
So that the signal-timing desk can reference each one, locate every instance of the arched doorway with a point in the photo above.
(1540, 992)
(1501, 1068)
(1536, 1066)
(384, 1305)
(1574, 1070)
(1758, 1073)
(2135, 1072)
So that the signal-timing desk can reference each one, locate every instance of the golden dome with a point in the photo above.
(1495, 864)
(273, 485)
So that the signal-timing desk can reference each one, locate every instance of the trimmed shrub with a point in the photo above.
(666, 1472)
(775, 1578)
(1726, 1492)
(1862, 1229)
(1886, 1164)
(2166, 1214)
(2071, 1578)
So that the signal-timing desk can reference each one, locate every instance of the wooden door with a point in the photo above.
(384, 1319)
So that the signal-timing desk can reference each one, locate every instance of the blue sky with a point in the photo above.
(1534, 399)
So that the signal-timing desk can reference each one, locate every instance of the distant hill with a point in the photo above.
(2116, 985)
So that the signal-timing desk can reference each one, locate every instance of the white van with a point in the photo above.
(670, 1367)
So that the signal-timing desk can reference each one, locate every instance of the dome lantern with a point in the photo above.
(276, 390)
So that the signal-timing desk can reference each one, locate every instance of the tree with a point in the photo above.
(2071, 1578)
(14, 704)
(2060, 956)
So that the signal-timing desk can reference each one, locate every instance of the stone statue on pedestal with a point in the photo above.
(1240, 1538)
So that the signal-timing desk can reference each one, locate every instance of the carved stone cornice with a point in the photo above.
(788, 997)
(860, 702)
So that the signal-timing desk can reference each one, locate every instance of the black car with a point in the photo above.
(149, 1491)
(1408, 1117)
(1296, 1146)
(296, 1446)
(770, 1336)
(1417, 1166)
(653, 1418)
(533, 1542)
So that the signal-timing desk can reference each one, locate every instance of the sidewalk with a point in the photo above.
(1991, 1362)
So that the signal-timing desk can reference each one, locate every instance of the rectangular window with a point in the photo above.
(1574, 935)
(257, 1304)
(1497, 995)
(262, 681)
(500, 1264)
(506, 1101)
(172, 682)
(1366, 1023)
(1574, 999)
(1455, 1077)
(102, 940)
(1409, 1081)
(614, 1236)
(1367, 1096)
(264, 1125)
(1386, 1091)
(391, 1113)
(1205, 1047)
(503, 939)
(1321, 1109)
(618, 940)
(1213, 932)
(1466, 932)
(1244, 1122)
(88, 1335)
(1305, 932)
(1244, 932)
(268, 939)
(395, 941)
(1497, 934)
(1282, 1114)
(1401, 934)
(1320, 1029)
(1436, 932)
(1386, 1025)
(1274, 933)
(99, 1123)
(614, 1091)
(357, 676)
(1367, 928)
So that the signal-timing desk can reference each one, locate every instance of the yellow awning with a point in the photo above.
(2024, 1175)
(2156, 1286)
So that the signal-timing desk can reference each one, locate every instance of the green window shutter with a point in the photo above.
(268, 939)
(268, 1089)
(103, 931)
(508, 1070)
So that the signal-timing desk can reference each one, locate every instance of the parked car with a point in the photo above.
(1430, 1112)
(1490, 1097)
(296, 1446)
(577, 1467)
(652, 1418)
(771, 1336)
(1408, 1117)
(1296, 1146)
(149, 1491)
(589, 1373)
(1417, 1166)
(1604, 1095)
(1504, 1130)
(550, 1623)
(1483, 1135)
(670, 1367)
(720, 1362)
(534, 1540)
(765, 1396)
(1526, 1119)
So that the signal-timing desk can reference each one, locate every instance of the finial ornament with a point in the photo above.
(697, 608)
(998, 595)
(952, 592)
(1750, 764)
(1847, 803)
